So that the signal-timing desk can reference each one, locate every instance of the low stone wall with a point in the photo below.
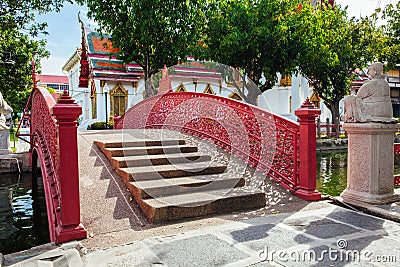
(331, 144)
(14, 163)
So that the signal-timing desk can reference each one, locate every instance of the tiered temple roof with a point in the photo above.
(97, 52)
(194, 69)
(104, 64)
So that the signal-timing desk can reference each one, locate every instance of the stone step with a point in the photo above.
(197, 204)
(171, 180)
(170, 171)
(162, 159)
(164, 187)
(140, 143)
(149, 150)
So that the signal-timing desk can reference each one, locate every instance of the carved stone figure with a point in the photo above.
(372, 102)
(4, 110)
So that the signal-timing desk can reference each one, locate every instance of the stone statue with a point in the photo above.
(5, 109)
(372, 102)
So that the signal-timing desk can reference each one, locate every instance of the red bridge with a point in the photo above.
(54, 156)
(282, 149)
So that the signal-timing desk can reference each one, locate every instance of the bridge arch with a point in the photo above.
(292, 162)
(37, 167)
(53, 139)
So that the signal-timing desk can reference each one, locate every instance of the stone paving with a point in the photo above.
(321, 234)
(287, 232)
(327, 236)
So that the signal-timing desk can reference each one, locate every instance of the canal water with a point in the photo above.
(332, 171)
(23, 219)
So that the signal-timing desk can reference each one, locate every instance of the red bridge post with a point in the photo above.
(306, 188)
(66, 112)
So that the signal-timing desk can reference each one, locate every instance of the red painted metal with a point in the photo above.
(54, 139)
(308, 114)
(116, 119)
(397, 180)
(397, 148)
(265, 140)
(84, 71)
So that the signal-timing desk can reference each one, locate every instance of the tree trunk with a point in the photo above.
(252, 97)
(334, 108)
(149, 88)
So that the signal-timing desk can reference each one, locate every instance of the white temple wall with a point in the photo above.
(277, 99)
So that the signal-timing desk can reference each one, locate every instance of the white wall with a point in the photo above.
(276, 99)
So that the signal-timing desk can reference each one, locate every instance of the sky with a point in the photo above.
(65, 32)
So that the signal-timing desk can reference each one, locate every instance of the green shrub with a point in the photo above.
(97, 126)
(101, 125)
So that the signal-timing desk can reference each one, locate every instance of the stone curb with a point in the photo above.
(374, 210)
(331, 144)
(67, 254)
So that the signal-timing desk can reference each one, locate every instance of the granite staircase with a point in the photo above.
(171, 180)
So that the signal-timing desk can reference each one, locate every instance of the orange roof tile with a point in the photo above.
(104, 45)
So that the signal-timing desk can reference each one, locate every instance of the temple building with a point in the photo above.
(99, 82)
(105, 86)
(57, 82)
(197, 76)
(393, 77)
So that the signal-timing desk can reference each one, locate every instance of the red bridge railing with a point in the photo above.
(53, 139)
(282, 149)
(397, 152)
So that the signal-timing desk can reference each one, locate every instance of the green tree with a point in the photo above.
(250, 35)
(16, 78)
(18, 41)
(331, 47)
(17, 14)
(150, 32)
(389, 51)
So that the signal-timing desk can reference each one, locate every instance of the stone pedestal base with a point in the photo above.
(5, 142)
(370, 163)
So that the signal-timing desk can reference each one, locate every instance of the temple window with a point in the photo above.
(209, 90)
(286, 80)
(314, 98)
(181, 88)
(236, 96)
(119, 100)
(394, 93)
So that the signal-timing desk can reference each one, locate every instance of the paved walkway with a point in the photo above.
(321, 234)
(287, 232)
(112, 217)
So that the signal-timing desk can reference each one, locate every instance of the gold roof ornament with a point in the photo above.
(315, 99)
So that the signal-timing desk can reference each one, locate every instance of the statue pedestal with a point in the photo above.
(5, 142)
(370, 163)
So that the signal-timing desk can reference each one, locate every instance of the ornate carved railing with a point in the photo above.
(54, 142)
(282, 149)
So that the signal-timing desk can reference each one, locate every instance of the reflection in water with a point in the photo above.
(332, 172)
(23, 219)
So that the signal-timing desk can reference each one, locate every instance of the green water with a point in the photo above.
(332, 171)
(23, 219)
